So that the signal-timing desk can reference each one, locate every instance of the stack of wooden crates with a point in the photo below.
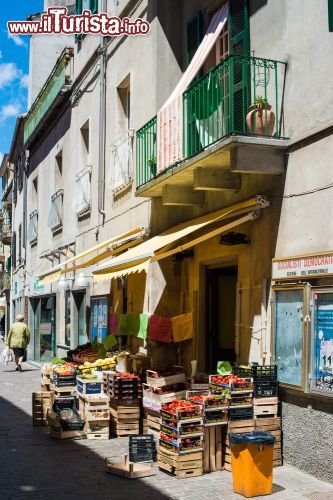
(41, 403)
(265, 411)
(94, 409)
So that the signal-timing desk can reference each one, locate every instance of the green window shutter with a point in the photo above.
(93, 6)
(239, 45)
(78, 7)
(194, 35)
(330, 15)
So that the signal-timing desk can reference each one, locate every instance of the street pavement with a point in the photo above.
(35, 466)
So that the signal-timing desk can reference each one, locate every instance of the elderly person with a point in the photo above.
(18, 338)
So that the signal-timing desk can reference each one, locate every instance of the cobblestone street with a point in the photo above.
(34, 466)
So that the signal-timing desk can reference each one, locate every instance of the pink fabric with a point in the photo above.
(160, 329)
(169, 118)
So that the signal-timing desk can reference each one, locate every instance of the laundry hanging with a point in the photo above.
(160, 329)
(182, 327)
(169, 118)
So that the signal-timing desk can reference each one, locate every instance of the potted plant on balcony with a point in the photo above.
(153, 166)
(260, 119)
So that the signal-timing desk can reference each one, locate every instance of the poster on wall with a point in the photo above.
(323, 342)
(99, 317)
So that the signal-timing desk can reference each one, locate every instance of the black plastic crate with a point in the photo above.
(240, 413)
(64, 403)
(265, 389)
(142, 448)
(63, 380)
(265, 373)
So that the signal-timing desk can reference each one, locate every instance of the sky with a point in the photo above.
(14, 68)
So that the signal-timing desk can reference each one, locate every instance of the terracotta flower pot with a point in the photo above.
(261, 116)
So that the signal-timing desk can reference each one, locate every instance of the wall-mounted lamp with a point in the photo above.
(83, 280)
(63, 283)
(232, 238)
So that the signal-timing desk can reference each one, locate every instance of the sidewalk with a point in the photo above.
(34, 466)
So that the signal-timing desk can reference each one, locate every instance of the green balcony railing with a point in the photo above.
(55, 82)
(240, 96)
(146, 152)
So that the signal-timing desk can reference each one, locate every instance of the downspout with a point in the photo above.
(101, 150)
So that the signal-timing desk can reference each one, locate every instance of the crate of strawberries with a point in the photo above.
(180, 411)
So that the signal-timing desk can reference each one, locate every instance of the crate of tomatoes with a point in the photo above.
(181, 445)
(179, 411)
(210, 402)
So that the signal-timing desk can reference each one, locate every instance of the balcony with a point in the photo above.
(48, 101)
(4, 281)
(232, 123)
(6, 227)
(121, 165)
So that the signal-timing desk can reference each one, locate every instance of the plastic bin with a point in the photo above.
(252, 463)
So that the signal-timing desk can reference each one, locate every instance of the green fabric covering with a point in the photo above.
(122, 325)
(109, 341)
(143, 332)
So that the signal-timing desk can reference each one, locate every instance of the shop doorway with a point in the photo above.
(221, 295)
(44, 327)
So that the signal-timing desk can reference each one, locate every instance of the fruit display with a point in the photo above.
(181, 411)
(241, 400)
(209, 401)
(98, 364)
(241, 384)
(172, 429)
(216, 417)
(121, 386)
(181, 445)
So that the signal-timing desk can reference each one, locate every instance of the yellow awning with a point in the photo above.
(51, 278)
(158, 247)
(143, 267)
(120, 243)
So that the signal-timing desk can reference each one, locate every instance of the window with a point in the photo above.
(330, 15)
(82, 5)
(82, 196)
(55, 216)
(58, 183)
(85, 143)
(289, 335)
(32, 233)
(194, 35)
(121, 165)
(20, 244)
(322, 342)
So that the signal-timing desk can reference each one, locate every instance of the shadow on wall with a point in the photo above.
(256, 5)
(45, 146)
(35, 466)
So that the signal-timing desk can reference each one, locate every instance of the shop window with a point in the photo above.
(322, 343)
(68, 318)
(99, 317)
(289, 335)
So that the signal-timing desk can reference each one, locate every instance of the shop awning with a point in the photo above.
(108, 248)
(160, 247)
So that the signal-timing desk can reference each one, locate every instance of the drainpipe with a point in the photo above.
(101, 150)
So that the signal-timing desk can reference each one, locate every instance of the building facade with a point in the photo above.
(178, 169)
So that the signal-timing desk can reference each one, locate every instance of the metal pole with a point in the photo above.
(101, 151)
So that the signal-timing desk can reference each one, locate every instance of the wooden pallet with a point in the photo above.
(212, 455)
(58, 433)
(41, 403)
(265, 401)
(180, 466)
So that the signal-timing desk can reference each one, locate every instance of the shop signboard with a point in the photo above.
(322, 371)
(37, 289)
(99, 317)
(309, 266)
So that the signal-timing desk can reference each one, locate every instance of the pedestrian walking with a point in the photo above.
(18, 339)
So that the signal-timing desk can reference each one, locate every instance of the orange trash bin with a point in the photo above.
(252, 463)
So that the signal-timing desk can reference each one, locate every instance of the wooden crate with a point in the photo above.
(212, 455)
(128, 469)
(125, 411)
(98, 436)
(41, 403)
(270, 425)
(124, 429)
(262, 411)
(63, 391)
(180, 466)
(58, 433)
